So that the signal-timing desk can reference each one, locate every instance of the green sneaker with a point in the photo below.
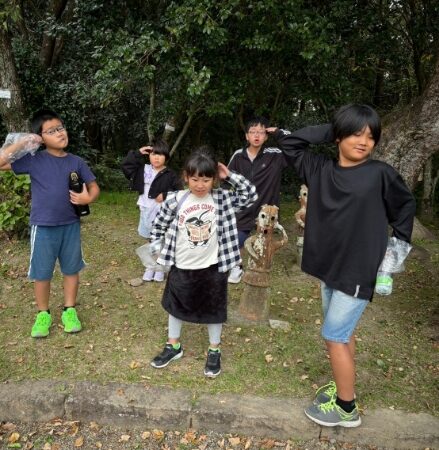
(329, 414)
(325, 393)
(41, 325)
(70, 321)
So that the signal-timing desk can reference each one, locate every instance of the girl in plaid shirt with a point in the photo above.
(197, 228)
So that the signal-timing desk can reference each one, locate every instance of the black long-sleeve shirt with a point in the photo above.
(133, 166)
(348, 212)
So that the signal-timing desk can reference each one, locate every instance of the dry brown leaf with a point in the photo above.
(79, 442)
(248, 444)
(13, 438)
(125, 438)
(191, 436)
(74, 428)
(268, 358)
(221, 443)
(56, 447)
(94, 426)
(47, 446)
(98, 444)
(158, 435)
(268, 443)
(8, 426)
(304, 377)
(134, 365)
(146, 435)
(234, 441)
(120, 392)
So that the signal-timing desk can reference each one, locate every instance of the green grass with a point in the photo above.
(125, 326)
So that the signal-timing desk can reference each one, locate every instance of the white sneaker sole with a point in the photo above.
(211, 375)
(164, 365)
(345, 424)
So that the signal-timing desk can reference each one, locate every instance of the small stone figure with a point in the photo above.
(261, 247)
(300, 216)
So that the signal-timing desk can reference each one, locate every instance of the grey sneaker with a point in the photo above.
(213, 364)
(235, 275)
(166, 356)
(329, 414)
(325, 393)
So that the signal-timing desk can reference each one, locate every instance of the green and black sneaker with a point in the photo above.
(70, 321)
(42, 325)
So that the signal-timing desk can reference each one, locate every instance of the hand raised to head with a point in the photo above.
(223, 171)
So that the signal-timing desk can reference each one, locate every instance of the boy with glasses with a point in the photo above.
(55, 228)
(262, 166)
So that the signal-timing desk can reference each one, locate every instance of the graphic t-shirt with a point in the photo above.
(197, 239)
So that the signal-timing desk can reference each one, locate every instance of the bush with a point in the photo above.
(110, 179)
(14, 204)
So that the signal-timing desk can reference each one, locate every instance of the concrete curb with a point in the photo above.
(137, 406)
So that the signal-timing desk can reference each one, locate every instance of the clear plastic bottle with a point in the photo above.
(384, 283)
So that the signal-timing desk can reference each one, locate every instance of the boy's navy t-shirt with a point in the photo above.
(50, 203)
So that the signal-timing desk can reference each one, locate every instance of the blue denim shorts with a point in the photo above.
(62, 242)
(341, 313)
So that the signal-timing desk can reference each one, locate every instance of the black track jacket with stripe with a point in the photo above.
(265, 173)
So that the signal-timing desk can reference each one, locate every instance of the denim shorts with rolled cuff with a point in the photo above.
(62, 242)
(341, 313)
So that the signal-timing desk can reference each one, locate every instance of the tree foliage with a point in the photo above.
(119, 70)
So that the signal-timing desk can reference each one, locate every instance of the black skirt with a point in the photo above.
(198, 296)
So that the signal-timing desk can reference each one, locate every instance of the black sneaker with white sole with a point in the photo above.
(213, 364)
(168, 354)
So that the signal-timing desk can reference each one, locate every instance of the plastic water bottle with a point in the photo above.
(384, 283)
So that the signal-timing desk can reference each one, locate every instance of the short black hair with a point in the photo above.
(255, 121)
(160, 147)
(352, 118)
(41, 116)
(201, 162)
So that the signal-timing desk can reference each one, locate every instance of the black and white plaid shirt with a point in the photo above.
(226, 204)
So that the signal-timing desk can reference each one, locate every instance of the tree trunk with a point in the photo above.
(427, 201)
(12, 111)
(411, 135)
(51, 45)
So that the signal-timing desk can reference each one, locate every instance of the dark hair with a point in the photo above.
(255, 121)
(160, 147)
(352, 118)
(41, 116)
(201, 162)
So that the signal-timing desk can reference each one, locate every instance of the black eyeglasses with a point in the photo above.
(52, 131)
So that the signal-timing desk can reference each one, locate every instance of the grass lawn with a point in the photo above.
(125, 326)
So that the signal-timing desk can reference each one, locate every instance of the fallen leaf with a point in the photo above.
(146, 435)
(94, 426)
(79, 442)
(234, 441)
(248, 444)
(158, 435)
(125, 438)
(268, 443)
(98, 444)
(14, 437)
(268, 358)
(134, 365)
(304, 377)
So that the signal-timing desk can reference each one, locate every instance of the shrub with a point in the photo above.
(14, 204)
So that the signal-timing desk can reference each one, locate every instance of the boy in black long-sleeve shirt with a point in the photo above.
(351, 202)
